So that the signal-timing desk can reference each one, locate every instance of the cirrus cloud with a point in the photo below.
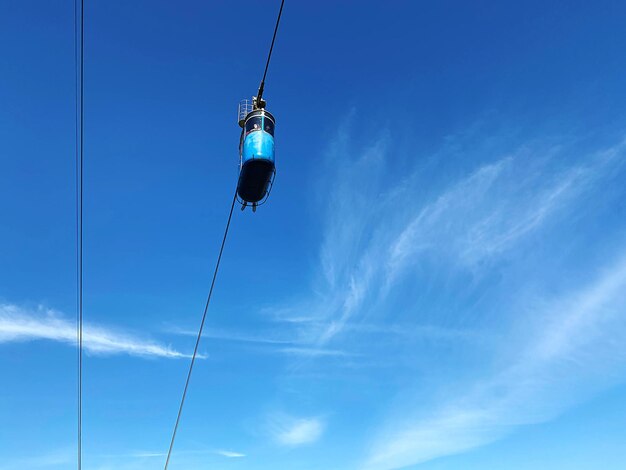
(21, 325)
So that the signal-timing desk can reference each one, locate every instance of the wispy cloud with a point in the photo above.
(230, 454)
(465, 229)
(290, 431)
(53, 459)
(143, 455)
(20, 325)
(491, 210)
(221, 452)
(575, 338)
(372, 237)
(314, 352)
(267, 344)
(231, 336)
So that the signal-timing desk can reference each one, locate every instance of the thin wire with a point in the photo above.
(79, 61)
(195, 350)
(269, 56)
(217, 265)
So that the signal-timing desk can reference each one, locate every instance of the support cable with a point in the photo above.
(79, 65)
(204, 315)
(219, 258)
(269, 55)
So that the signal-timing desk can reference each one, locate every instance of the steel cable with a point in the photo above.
(79, 48)
(195, 350)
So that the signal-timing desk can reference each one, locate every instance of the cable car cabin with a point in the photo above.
(256, 170)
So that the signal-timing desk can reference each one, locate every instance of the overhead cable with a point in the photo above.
(79, 47)
(217, 265)
(269, 55)
(195, 350)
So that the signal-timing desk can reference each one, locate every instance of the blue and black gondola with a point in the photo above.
(256, 151)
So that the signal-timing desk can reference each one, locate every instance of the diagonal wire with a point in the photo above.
(217, 265)
(79, 65)
(269, 55)
(195, 350)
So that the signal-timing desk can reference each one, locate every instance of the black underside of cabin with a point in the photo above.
(254, 179)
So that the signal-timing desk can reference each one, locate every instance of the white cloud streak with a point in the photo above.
(230, 336)
(221, 452)
(291, 432)
(373, 240)
(369, 242)
(53, 459)
(488, 212)
(576, 338)
(230, 454)
(21, 325)
(375, 243)
(267, 344)
(314, 352)
(142, 455)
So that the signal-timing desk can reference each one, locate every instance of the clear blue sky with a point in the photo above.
(437, 282)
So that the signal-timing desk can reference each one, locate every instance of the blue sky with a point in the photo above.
(437, 282)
